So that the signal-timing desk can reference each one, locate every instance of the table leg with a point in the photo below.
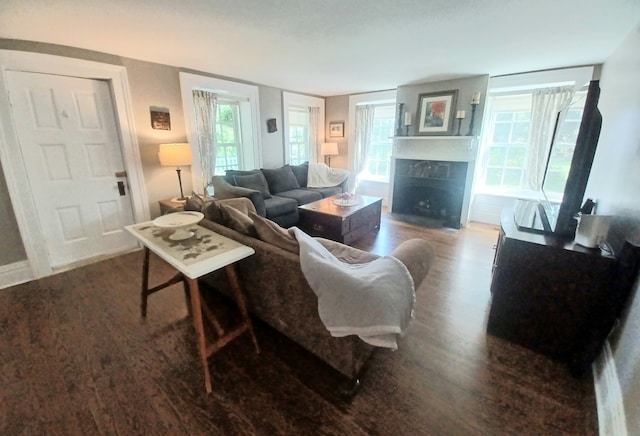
(145, 291)
(240, 301)
(145, 283)
(196, 309)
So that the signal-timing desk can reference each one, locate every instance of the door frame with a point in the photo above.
(11, 157)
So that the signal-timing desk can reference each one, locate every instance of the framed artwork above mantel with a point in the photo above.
(436, 112)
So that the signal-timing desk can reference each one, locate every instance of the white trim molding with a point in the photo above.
(611, 415)
(15, 273)
(11, 158)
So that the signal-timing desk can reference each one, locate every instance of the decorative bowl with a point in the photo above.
(179, 221)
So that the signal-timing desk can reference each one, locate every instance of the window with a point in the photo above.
(298, 135)
(237, 140)
(507, 145)
(519, 121)
(378, 164)
(303, 127)
(228, 137)
(506, 141)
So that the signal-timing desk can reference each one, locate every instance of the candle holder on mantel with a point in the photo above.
(399, 130)
(473, 116)
(475, 101)
(459, 116)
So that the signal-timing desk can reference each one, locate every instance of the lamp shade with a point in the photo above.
(175, 155)
(329, 149)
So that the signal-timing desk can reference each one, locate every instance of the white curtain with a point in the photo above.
(313, 133)
(205, 106)
(363, 129)
(545, 105)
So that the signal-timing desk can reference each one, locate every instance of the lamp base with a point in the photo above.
(179, 199)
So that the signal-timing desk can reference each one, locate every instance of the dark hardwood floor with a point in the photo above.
(76, 358)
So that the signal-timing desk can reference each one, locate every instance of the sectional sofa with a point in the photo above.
(275, 193)
(275, 286)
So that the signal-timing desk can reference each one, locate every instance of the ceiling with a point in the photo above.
(334, 47)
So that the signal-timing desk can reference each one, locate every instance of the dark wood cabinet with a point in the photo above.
(547, 292)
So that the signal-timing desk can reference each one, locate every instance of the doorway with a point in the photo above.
(113, 157)
(72, 155)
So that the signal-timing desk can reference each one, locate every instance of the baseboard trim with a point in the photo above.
(611, 416)
(15, 273)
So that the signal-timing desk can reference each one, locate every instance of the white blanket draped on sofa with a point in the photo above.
(322, 176)
(372, 300)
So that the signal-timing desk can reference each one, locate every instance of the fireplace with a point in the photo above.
(430, 189)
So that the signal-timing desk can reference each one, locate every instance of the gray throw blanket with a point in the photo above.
(372, 300)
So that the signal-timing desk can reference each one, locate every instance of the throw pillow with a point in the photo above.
(270, 232)
(196, 202)
(254, 181)
(280, 179)
(243, 204)
(236, 220)
(212, 213)
(301, 172)
(212, 209)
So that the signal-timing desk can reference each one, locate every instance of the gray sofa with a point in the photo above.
(275, 193)
(277, 291)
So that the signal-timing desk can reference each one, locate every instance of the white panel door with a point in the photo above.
(71, 149)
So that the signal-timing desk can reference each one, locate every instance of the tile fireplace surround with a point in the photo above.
(438, 148)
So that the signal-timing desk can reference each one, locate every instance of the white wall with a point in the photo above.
(615, 182)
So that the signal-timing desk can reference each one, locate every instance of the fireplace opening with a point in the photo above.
(431, 190)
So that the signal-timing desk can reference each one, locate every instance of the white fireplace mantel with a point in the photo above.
(442, 148)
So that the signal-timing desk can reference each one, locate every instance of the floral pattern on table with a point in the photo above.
(202, 245)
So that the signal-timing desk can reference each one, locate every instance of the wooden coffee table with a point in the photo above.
(341, 223)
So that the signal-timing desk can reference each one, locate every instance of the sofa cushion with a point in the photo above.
(271, 232)
(301, 172)
(327, 192)
(253, 181)
(280, 179)
(302, 196)
(231, 173)
(212, 209)
(276, 206)
(236, 220)
(195, 202)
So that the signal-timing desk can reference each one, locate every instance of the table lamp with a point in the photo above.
(176, 155)
(329, 149)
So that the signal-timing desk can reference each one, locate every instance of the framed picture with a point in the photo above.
(435, 112)
(271, 125)
(336, 130)
(160, 119)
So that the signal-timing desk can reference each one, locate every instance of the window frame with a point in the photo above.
(291, 99)
(237, 134)
(380, 97)
(521, 84)
(247, 95)
(487, 142)
(365, 174)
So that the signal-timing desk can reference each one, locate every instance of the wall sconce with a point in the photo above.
(176, 155)
(329, 149)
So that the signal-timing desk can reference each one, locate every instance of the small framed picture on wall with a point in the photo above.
(336, 129)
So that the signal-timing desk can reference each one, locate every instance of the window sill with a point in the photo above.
(524, 194)
(373, 180)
